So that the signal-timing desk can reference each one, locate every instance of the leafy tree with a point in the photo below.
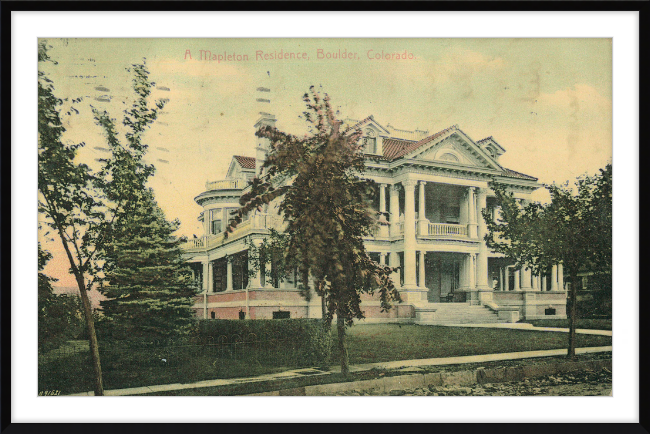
(326, 207)
(69, 202)
(150, 288)
(80, 205)
(575, 229)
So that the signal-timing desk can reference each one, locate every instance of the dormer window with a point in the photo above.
(370, 142)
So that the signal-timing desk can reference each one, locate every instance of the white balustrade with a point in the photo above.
(446, 229)
(226, 184)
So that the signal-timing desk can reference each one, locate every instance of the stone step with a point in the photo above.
(458, 313)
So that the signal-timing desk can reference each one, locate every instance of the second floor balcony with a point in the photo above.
(259, 223)
(226, 184)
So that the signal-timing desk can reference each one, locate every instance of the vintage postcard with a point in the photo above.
(325, 217)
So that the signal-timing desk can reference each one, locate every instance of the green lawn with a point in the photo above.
(368, 343)
(386, 342)
(595, 324)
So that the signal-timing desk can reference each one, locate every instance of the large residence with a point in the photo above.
(432, 188)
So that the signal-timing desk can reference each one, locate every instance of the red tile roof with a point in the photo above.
(245, 162)
(394, 148)
(513, 174)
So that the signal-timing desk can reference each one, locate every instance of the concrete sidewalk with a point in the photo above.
(308, 372)
(527, 326)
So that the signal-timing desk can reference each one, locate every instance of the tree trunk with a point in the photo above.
(92, 337)
(343, 353)
(571, 354)
(323, 308)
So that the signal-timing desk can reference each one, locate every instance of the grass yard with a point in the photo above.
(582, 323)
(370, 343)
(71, 372)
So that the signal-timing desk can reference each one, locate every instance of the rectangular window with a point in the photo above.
(240, 270)
(549, 311)
(215, 221)
(219, 276)
(280, 314)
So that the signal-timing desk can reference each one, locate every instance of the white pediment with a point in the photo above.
(455, 148)
(449, 152)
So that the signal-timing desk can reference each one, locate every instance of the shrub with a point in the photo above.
(307, 337)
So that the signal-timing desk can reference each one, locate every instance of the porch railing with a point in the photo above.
(446, 229)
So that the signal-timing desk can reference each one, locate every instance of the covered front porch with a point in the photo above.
(442, 277)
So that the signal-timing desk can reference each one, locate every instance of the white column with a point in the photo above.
(482, 259)
(382, 198)
(535, 281)
(423, 223)
(422, 269)
(394, 263)
(506, 279)
(382, 259)
(394, 210)
(472, 230)
(409, 235)
(554, 278)
(560, 277)
(543, 279)
(502, 286)
(525, 279)
(210, 276)
(228, 274)
(471, 271)
(206, 284)
(383, 228)
(517, 278)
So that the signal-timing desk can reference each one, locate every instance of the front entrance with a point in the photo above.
(442, 277)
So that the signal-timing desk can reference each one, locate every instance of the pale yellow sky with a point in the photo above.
(548, 102)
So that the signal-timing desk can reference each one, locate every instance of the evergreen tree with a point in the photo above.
(149, 287)
(326, 205)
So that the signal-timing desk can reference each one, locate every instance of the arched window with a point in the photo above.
(449, 157)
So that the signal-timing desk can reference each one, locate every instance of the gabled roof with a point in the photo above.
(394, 149)
(494, 142)
(365, 121)
(245, 162)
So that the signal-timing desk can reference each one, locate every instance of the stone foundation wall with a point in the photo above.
(533, 304)
(263, 302)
